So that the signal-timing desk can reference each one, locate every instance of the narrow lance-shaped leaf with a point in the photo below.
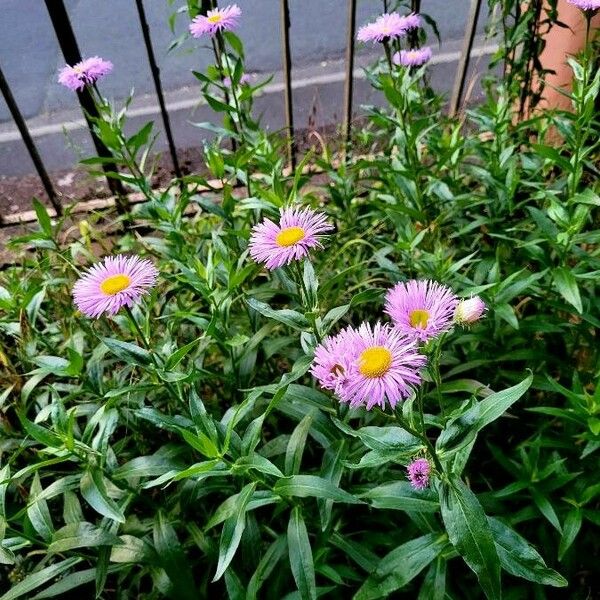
(172, 558)
(301, 558)
(232, 531)
(521, 559)
(311, 486)
(401, 566)
(470, 534)
(93, 489)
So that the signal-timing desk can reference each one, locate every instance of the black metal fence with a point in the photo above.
(68, 44)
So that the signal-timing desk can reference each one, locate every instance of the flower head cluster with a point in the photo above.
(421, 309)
(586, 5)
(412, 58)
(115, 282)
(215, 20)
(469, 311)
(388, 26)
(418, 473)
(298, 231)
(369, 366)
(86, 72)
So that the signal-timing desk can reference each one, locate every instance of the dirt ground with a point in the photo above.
(77, 185)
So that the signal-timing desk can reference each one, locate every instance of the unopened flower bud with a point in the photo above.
(469, 311)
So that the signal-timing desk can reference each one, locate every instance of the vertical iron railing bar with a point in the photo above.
(29, 143)
(157, 86)
(413, 35)
(465, 57)
(349, 78)
(287, 76)
(68, 45)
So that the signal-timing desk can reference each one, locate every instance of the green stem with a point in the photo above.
(388, 56)
(234, 93)
(304, 299)
(422, 436)
(147, 346)
(435, 371)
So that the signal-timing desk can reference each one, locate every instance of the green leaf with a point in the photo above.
(7, 556)
(301, 558)
(200, 442)
(295, 447)
(287, 317)
(520, 559)
(567, 287)
(93, 489)
(470, 534)
(140, 138)
(132, 549)
(127, 352)
(311, 486)
(507, 313)
(39, 433)
(400, 495)
(229, 506)
(498, 403)
(42, 216)
(4, 481)
(172, 559)
(391, 440)
(434, 584)
(333, 316)
(81, 535)
(461, 430)
(38, 578)
(180, 354)
(69, 582)
(258, 462)
(146, 466)
(546, 508)
(571, 528)
(38, 512)
(232, 531)
(401, 566)
(265, 567)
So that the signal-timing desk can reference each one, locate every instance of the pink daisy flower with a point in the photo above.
(412, 58)
(418, 473)
(332, 361)
(412, 21)
(215, 20)
(469, 311)
(116, 282)
(86, 72)
(385, 27)
(383, 366)
(421, 309)
(298, 231)
(586, 5)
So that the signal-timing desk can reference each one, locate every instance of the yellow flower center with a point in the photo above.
(290, 236)
(114, 284)
(375, 361)
(214, 18)
(419, 318)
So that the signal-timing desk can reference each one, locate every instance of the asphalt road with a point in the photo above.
(30, 58)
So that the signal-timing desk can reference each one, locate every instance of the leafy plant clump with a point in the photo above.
(377, 382)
